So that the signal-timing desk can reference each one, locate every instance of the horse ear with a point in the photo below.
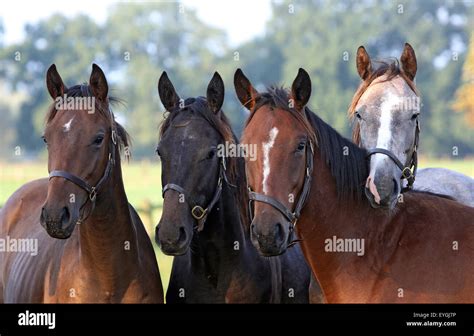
(408, 60)
(364, 66)
(215, 93)
(168, 96)
(54, 83)
(98, 83)
(244, 90)
(301, 89)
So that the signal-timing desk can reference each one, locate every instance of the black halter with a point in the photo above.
(291, 216)
(91, 190)
(198, 212)
(409, 169)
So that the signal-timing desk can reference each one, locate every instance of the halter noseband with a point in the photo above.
(83, 184)
(409, 169)
(292, 217)
(197, 211)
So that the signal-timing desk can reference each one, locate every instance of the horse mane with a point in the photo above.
(389, 68)
(349, 170)
(235, 165)
(278, 97)
(104, 110)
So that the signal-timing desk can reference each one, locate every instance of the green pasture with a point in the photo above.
(143, 187)
(142, 183)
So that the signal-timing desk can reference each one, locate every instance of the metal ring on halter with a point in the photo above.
(201, 212)
(93, 194)
(405, 174)
(114, 137)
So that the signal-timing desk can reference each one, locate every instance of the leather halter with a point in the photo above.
(83, 184)
(197, 211)
(409, 169)
(291, 216)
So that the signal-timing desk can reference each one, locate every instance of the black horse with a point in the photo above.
(205, 222)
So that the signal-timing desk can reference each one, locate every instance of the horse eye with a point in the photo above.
(358, 115)
(99, 140)
(157, 151)
(211, 154)
(301, 146)
(44, 139)
(414, 116)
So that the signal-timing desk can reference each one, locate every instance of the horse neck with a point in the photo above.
(326, 216)
(107, 237)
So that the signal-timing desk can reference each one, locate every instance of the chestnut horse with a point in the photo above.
(91, 244)
(205, 220)
(386, 108)
(422, 252)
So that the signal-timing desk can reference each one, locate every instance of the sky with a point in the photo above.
(233, 16)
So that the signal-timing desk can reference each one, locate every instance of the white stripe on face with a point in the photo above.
(67, 126)
(266, 156)
(384, 135)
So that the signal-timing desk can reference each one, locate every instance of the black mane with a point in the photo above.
(347, 161)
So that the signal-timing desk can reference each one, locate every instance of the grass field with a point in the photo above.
(142, 183)
(143, 187)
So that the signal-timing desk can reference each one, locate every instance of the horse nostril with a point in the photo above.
(253, 229)
(182, 234)
(65, 216)
(279, 232)
(43, 216)
(395, 186)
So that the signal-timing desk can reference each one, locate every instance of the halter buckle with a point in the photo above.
(198, 212)
(294, 221)
(223, 163)
(114, 137)
(405, 174)
(93, 194)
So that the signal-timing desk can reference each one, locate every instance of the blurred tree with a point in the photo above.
(72, 44)
(465, 94)
(165, 36)
(323, 36)
(140, 40)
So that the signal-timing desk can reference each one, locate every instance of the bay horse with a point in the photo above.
(421, 252)
(205, 222)
(386, 110)
(92, 246)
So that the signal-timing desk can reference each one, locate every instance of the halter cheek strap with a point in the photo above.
(409, 169)
(83, 184)
(292, 217)
(197, 211)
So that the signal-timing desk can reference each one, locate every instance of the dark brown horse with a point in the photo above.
(205, 220)
(422, 252)
(91, 244)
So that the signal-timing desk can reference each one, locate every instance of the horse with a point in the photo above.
(92, 245)
(420, 252)
(205, 222)
(386, 108)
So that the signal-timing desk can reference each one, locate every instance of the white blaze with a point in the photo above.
(384, 135)
(67, 126)
(266, 156)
